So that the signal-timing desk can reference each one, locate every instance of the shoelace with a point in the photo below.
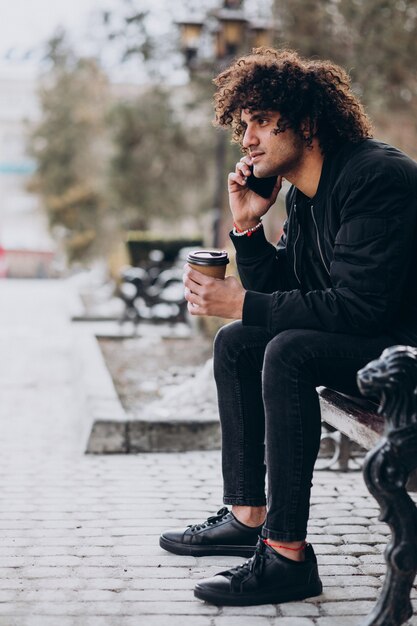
(213, 519)
(252, 567)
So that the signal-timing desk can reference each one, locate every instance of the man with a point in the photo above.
(338, 289)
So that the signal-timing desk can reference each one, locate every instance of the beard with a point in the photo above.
(281, 159)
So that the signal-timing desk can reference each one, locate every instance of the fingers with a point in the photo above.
(236, 178)
(242, 171)
(192, 298)
(195, 303)
(194, 309)
(192, 276)
(196, 287)
(199, 291)
(243, 166)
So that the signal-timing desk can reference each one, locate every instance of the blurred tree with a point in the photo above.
(131, 28)
(307, 26)
(68, 144)
(202, 157)
(376, 41)
(141, 31)
(383, 45)
(159, 161)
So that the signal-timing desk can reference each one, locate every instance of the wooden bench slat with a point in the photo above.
(355, 418)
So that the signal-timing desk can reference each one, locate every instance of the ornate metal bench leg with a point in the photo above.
(385, 477)
(393, 378)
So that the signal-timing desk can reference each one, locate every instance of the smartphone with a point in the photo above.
(262, 186)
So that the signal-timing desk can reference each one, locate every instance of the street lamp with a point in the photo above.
(190, 39)
(260, 33)
(232, 33)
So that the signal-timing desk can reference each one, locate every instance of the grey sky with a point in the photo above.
(26, 24)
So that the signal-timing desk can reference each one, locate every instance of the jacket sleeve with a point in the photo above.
(371, 255)
(261, 265)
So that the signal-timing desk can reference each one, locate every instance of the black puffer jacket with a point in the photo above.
(365, 217)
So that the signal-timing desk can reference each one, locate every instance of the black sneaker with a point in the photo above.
(266, 578)
(220, 534)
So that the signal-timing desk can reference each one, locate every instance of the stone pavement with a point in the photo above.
(79, 533)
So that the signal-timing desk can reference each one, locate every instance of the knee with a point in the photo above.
(287, 349)
(227, 343)
(235, 341)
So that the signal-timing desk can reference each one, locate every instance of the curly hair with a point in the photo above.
(313, 97)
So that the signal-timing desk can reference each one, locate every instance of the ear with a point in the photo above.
(308, 127)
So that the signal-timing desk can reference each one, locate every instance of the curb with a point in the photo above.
(111, 430)
(107, 431)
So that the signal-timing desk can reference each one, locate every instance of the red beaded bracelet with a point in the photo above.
(248, 232)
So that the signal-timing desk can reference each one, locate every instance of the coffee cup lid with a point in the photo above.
(208, 257)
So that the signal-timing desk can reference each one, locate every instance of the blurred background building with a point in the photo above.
(27, 249)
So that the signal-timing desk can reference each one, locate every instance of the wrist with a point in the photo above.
(242, 225)
(238, 232)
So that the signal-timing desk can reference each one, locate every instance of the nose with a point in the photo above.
(249, 138)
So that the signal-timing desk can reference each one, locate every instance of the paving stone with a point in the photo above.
(328, 549)
(364, 538)
(299, 609)
(324, 539)
(340, 559)
(346, 620)
(361, 607)
(48, 621)
(174, 620)
(343, 529)
(350, 581)
(372, 558)
(265, 610)
(381, 529)
(371, 512)
(357, 549)
(373, 570)
(108, 608)
(337, 570)
(152, 595)
(292, 621)
(350, 593)
(241, 620)
(349, 520)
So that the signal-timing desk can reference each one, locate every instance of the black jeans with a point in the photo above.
(270, 413)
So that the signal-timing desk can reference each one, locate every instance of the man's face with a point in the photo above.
(272, 154)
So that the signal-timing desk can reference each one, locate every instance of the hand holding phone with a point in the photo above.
(262, 186)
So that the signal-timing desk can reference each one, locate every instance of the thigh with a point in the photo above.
(327, 359)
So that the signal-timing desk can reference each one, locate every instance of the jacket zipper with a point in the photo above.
(295, 245)
(318, 240)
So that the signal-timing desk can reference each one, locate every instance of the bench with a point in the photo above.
(388, 430)
(357, 420)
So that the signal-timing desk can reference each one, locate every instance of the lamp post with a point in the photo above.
(229, 32)
(190, 39)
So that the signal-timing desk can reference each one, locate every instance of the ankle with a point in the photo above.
(293, 550)
(252, 516)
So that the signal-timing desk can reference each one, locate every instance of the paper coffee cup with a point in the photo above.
(210, 262)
